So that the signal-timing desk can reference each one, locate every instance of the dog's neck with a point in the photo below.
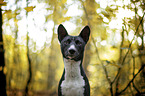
(72, 69)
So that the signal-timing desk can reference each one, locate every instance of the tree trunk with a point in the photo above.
(29, 60)
(2, 63)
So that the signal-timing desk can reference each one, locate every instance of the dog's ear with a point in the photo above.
(85, 33)
(61, 32)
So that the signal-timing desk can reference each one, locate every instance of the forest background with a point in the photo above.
(114, 56)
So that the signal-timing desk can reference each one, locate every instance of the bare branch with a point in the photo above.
(133, 73)
(96, 49)
(129, 48)
(142, 67)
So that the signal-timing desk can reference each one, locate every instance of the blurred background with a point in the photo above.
(114, 57)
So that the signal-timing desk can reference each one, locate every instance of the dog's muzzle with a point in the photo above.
(71, 53)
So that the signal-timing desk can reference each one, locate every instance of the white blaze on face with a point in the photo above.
(72, 47)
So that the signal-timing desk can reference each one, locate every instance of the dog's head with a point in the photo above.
(72, 47)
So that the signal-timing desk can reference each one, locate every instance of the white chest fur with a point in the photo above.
(73, 85)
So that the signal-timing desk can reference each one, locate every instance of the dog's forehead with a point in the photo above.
(73, 38)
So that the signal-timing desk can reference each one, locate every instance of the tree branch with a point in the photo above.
(142, 67)
(96, 49)
(129, 48)
(133, 73)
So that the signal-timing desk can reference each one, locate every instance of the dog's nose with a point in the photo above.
(72, 51)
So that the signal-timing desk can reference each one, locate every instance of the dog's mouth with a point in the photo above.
(71, 56)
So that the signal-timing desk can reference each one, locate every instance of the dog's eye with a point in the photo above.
(78, 42)
(67, 41)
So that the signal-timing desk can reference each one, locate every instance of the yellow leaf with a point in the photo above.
(16, 21)
(136, 70)
(2, 3)
(63, 1)
(30, 8)
(7, 12)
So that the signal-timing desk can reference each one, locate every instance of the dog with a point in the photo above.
(74, 81)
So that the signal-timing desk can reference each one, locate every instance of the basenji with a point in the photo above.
(74, 81)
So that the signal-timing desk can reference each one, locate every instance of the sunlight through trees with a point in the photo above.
(114, 56)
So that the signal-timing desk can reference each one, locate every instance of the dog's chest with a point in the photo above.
(73, 85)
(72, 88)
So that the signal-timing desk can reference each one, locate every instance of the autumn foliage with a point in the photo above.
(114, 57)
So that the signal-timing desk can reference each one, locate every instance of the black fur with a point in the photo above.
(79, 42)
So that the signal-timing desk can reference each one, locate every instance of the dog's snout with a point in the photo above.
(72, 51)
